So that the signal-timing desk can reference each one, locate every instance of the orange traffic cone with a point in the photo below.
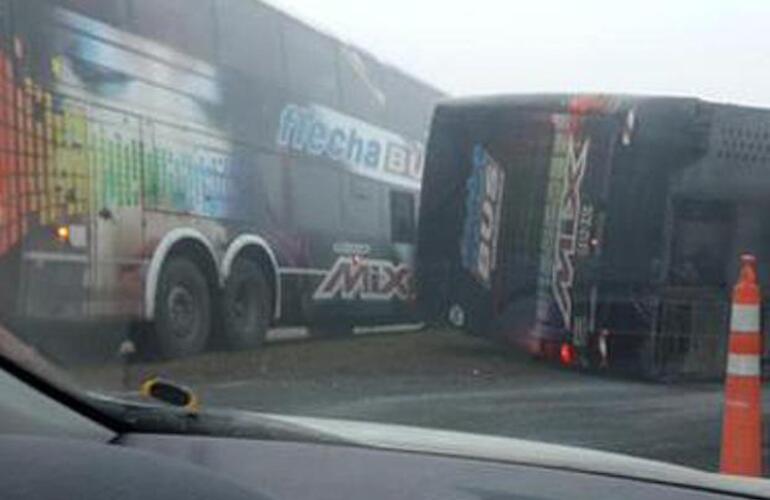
(742, 424)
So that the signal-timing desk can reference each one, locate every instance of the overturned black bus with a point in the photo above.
(598, 229)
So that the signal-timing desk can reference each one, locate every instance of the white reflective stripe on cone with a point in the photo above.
(743, 365)
(744, 319)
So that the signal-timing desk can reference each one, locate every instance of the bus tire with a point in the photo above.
(246, 306)
(183, 309)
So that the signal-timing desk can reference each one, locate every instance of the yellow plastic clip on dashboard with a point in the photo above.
(170, 393)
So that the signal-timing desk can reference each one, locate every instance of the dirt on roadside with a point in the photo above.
(425, 353)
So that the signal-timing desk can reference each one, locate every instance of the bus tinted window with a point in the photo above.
(700, 246)
(183, 24)
(361, 84)
(250, 39)
(311, 64)
(316, 205)
(408, 106)
(112, 12)
(362, 207)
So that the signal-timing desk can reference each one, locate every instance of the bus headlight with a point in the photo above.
(62, 234)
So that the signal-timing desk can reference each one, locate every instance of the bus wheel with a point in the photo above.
(246, 306)
(183, 309)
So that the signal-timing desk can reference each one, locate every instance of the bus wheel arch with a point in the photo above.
(250, 293)
(255, 249)
(182, 270)
(177, 241)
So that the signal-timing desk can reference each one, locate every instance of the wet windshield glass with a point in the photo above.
(301, 208)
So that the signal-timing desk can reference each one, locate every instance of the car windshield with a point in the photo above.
(537, 220)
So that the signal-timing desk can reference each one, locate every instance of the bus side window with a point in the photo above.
(361, 85)
(112, 12)
(185, 25)
(402, 217)
(409, 106)
(311, 60)
(702, 237)
(250, 40)
(361, 206)
(316, 203)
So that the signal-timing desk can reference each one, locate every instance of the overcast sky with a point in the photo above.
(716, 49)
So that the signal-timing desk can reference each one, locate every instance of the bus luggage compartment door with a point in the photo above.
(116, 220)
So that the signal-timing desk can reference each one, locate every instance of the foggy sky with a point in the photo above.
(712, 49)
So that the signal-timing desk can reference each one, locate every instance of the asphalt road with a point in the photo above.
(449, 381)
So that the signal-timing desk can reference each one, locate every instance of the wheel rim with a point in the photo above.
(183, 313)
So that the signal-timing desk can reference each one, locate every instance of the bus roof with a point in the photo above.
(561, 102)
(556, 102)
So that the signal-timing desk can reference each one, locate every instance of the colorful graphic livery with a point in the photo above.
(484, 199)
(616, 218)
(569, 217)
(163, 178)
(354, 278)
(365, 149)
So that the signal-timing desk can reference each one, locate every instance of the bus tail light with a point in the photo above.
(567, 354)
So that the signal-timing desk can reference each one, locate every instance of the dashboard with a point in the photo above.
(283, 470)
(148, 467)
(48, 450)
